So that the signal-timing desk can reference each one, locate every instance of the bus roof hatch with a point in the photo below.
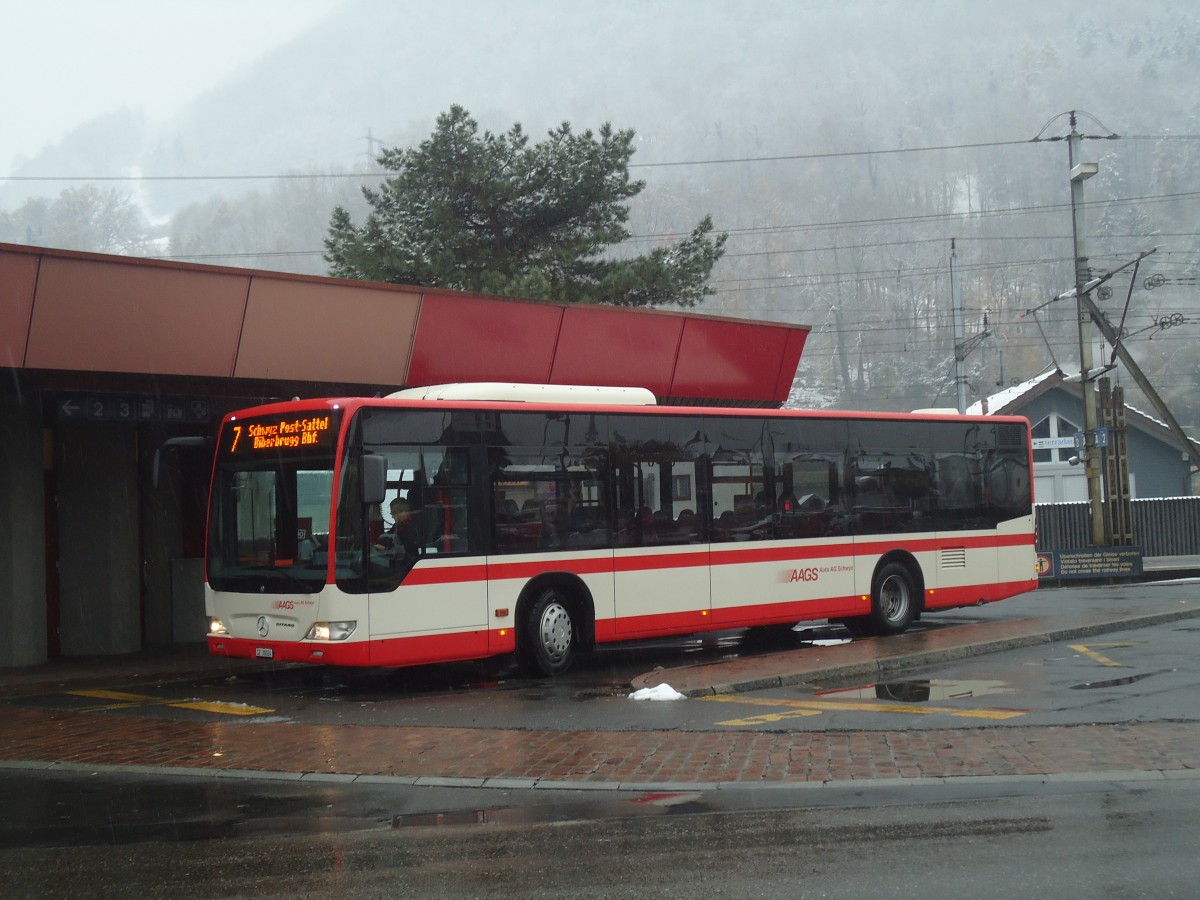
(531, 393)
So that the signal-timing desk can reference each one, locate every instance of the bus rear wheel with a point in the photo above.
(547, 642)
(893, 600)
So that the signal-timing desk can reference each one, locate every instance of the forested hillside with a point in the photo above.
(841, 145)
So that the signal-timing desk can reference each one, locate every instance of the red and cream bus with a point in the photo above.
(467, 521)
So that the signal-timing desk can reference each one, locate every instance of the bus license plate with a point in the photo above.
(264, 652)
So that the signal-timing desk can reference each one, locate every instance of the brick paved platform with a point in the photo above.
(592, 757)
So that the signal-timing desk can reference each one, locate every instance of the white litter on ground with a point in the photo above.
(662, 692)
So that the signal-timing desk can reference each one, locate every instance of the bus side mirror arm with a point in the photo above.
(374, 479)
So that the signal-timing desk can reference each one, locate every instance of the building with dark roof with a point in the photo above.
(1159, 466)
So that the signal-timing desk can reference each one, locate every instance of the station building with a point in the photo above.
(104, 359)
(1159, 464)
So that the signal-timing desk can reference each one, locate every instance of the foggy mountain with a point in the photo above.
(803, 128)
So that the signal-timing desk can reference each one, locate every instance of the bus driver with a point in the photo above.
(404, 537)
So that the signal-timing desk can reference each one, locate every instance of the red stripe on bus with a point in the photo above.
(717, 556)
(340, 653)
(590, 566)
(480, 643)
(969, 595)
(394, 651)
(421, 575)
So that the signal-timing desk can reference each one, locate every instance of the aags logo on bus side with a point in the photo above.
(809, 574)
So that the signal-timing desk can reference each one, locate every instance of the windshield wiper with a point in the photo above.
(305, 586)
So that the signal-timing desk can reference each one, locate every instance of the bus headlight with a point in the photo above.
(216, 626)
(330, 631)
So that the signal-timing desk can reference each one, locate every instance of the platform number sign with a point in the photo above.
(130, 408)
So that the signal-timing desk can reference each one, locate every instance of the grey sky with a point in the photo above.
(67, 61)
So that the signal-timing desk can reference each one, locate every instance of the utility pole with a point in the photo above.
(963, 347)
(372, 153)
(842, 362)
(1080, 172)
(960, 373)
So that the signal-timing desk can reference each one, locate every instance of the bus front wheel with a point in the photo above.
(547, 642)
(893, 600)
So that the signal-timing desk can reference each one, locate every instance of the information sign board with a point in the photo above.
(1090, 562)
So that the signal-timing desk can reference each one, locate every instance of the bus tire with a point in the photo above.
(893, 600)
(548, 640)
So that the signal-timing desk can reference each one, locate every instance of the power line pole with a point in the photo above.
(842, 362)
(960, 372)
(963, 346)
(1080, 172)
(372, 153)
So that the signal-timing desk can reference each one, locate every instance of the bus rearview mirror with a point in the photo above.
(374, 478)
(171, 444)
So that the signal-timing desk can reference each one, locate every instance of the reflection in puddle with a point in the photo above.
(713, 643)
(923, 690)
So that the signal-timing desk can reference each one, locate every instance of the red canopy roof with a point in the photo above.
(61, 310)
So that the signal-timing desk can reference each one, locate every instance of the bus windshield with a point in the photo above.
(269, 523)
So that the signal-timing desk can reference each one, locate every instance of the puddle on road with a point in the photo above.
(1111, 682)
(650, 804)
(604, 692)
(922, 690)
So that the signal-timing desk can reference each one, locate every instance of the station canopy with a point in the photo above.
(63, 311)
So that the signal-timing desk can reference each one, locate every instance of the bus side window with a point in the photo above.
(437, 521)
(893, 491)
(548, 499)
(959, 485)
(742, 504)
(445, 506)
(810, 503)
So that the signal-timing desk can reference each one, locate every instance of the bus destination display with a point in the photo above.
(281, 433)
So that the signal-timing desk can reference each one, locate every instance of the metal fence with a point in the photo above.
(1168, 526)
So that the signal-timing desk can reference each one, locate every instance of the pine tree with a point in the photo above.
(499, 215)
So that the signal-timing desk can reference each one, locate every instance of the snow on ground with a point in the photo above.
(662, 692)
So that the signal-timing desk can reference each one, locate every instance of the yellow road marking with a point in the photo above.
(1086, 650)
(768, 718)
(220, 706)
(797, 708)
(126, 700)
(112, 695)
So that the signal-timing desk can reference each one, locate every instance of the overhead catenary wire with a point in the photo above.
(733, 233)
(260, 176)
(738, 160)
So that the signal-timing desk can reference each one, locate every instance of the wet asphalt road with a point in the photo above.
(1144, 674)
(107, 833)
(1097, 839)
(1137, 675)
